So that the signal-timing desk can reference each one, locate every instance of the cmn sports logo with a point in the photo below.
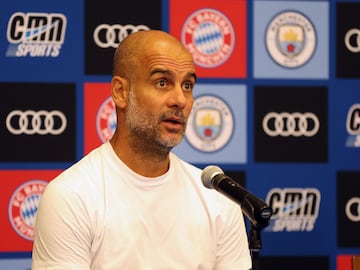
(294, 209)
(35, 34)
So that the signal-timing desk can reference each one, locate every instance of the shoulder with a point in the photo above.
(84, 176)
(190, 169)
(216, 202)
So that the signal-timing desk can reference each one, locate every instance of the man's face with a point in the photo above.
(161, 94)
(160, 100)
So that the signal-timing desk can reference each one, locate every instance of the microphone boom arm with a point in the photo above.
(255, 209)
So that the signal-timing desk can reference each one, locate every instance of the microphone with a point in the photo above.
(256, 210)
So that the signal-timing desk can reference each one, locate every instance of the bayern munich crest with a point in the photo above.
(23, 206)
(106, 120)
(290, 39)
(209, 36)
(210, 124)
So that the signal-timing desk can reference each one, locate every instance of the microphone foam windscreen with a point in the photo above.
(208, 174)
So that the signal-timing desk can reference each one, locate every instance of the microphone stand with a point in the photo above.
(255, 245)
(259, 220)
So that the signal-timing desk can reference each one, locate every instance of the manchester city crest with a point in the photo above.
(290, 39)
(210, 124)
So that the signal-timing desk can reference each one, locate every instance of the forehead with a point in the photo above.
(180, 64)
(159, 51)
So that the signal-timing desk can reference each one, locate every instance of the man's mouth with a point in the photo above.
(174, 122)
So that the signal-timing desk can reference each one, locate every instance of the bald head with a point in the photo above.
(133, 48)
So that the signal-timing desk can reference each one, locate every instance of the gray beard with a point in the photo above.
(146, 138)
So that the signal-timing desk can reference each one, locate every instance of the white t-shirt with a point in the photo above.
(100, 215)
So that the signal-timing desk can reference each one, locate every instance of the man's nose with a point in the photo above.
(178, 97)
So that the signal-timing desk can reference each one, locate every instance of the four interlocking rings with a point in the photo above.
(287, 124)
(114, 34)
(32, 122)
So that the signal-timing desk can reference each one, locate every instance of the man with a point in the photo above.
(131, 203)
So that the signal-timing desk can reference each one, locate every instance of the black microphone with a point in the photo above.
(256, 210)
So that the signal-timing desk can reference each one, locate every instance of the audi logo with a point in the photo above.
(352, 40)
(31, 122)
(106, 36)
(290, 124)
(350, 207)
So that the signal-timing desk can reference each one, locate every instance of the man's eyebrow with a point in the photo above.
(160, 70)
(170, 73)
(192, 74)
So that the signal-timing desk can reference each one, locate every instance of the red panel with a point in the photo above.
(343, 262)
(98, 110)
(21, 192)
(183, 16)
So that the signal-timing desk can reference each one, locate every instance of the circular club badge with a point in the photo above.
(209, 36)
(290, 39)
(210, 125)
(106, 120)
(23, 205)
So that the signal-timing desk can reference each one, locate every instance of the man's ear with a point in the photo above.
(120, 91)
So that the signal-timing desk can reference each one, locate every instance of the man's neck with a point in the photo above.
(145, 163)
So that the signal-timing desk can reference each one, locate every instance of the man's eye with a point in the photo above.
(188, 86)
(162, 83)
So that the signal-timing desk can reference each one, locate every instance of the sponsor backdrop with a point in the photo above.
(277, 106)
